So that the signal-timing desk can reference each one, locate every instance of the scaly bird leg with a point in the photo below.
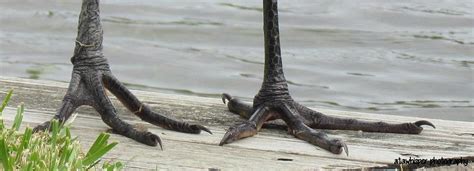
(91, 76)
(275, 97)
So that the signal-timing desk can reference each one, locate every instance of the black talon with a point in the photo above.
(200, 127)
(230, 135)
(424, 122)
(226, 96)
(346, 149)
(158, 139)
(153, 140)
(227, 137)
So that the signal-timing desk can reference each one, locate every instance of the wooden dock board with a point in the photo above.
(269, 149)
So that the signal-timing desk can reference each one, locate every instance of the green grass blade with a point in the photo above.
(29, 167)
(4, 156)
(99, 143)
(72, 157)
(4, 104)
(27, 137)
(1, 123)
(68, 133)
(54, 150)
(66, 152)
(98, 149)
(24, 144)
(93, 164)
(54, 132)
(18, 117)
(52, 164)
(98, 154)
(5, 101)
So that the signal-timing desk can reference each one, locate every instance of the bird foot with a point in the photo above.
(88, 87)
(302, 122)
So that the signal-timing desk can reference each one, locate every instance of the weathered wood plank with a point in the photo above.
(187, 151)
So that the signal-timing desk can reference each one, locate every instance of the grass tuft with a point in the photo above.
(51, 150)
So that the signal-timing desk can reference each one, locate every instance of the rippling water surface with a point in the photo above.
(397, 57)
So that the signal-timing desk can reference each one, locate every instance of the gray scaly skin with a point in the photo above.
(273, 101)
(91, 75)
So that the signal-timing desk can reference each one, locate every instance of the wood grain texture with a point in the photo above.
(201, 152)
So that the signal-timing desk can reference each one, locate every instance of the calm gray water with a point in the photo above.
(393, 57)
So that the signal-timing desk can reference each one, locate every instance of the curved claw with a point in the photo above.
(226, 96)
(227, 138)
(200, 127)
(158, 139)
(345, 148)
(153, 140)
(337, 146)
(424, 122)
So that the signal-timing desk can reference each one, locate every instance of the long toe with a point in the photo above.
(236, 132)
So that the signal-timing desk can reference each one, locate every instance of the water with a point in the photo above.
(398, 57)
